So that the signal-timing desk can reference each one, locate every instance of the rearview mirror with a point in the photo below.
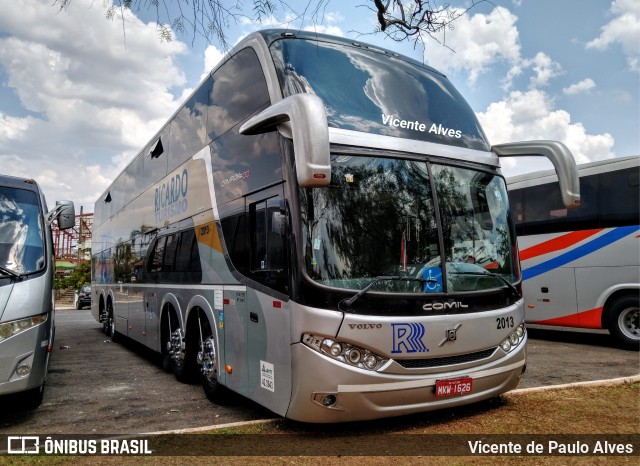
(561, 158)
(64, 213)
(309, 130)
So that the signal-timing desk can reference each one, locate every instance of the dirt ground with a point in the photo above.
(96, 386)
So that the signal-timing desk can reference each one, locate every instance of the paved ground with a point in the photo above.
(96, 386)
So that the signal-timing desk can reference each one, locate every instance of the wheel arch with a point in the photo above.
(200, 303)
(608, 298)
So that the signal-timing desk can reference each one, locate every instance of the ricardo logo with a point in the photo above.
(407, 338)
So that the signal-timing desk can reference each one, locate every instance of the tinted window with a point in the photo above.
(157, 253)
(244, 163)
(168, 261)
(234, 228)
(620, 198)
(188, 128)
(187, 263)
(123, 259)
(371, 91)
(155, 157)
(183, 256)
(268, 239)
(606, 200)
(238, 89)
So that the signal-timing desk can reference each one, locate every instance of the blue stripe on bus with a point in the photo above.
(579, 252)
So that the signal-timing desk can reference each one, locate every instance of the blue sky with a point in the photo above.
(77, 100)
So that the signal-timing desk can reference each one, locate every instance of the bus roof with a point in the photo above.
(18, 182)
(585, 169)
(271, 35)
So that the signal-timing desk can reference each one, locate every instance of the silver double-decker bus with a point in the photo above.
(322, 228)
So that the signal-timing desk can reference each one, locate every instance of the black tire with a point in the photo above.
(78, 305)
(186, 370)
(33, 398)
(624, 321)
(167, 361)
(215, 392)
(111, 324)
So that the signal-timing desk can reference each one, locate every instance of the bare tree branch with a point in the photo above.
(400, 20)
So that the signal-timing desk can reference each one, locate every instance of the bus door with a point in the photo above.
(269, 361)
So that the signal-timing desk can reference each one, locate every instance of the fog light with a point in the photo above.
(23, 370)
(329, 400)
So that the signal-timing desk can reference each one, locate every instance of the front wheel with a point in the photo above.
(33, 398)
(624, 321)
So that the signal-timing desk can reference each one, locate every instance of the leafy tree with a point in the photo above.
(81, 275)
(400, 20)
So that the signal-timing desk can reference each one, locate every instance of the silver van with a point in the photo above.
(27, 267)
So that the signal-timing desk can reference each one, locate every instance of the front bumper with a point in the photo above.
(30, 348)
(362, 395)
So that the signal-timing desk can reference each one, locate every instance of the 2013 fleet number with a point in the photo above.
(505, 322)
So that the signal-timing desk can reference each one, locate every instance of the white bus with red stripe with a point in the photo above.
(580, 267)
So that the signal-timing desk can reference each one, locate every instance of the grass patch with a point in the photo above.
(594, 411)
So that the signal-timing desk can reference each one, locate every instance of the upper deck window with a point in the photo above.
(372, 91)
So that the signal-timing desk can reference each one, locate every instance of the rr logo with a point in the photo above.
(407, 338)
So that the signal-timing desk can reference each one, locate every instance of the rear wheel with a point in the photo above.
(167, 347)
(208, 362)
(111, 324)
(185, 349)
(624, 321)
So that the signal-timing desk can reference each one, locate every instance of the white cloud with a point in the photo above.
(476, 42)
(583, 86)
(324, 24)
(531, 115)
(544, 69)
(321, 29)
(623, 29)
(94, 92)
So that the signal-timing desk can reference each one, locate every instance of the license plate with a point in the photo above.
(452, 387)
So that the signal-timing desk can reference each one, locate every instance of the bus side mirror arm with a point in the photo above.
(561, 158)
(310, 131)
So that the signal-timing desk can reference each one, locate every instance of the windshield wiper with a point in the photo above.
(375, 280)
(8, 272)
(512, 288)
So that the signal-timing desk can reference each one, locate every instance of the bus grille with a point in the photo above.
(446, 361)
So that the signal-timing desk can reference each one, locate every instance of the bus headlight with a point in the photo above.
(513, 339)
(346, 353)
(10, 329)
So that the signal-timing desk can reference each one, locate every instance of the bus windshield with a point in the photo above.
(378, 218)
(21, 234)
(373, 91)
